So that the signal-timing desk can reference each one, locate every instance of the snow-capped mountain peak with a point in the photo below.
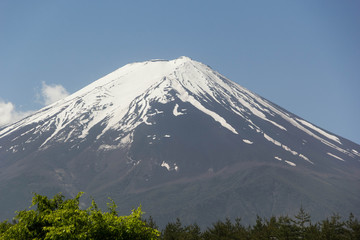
(122, 101)
(155, 128)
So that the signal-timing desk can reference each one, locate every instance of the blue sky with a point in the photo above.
(302, 55)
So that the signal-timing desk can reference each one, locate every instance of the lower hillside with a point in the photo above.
(57, 218)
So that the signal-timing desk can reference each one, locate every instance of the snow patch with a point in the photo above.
(322, 132)
(334, 156)
(286, 148)
(355, 152)
(185, 97)
(278, 158)
(168, 167)
(289, 150)
(14, 148)
(145, 119)
(106, 147)
(300, 124)
(155, 113)
(176, 111)
(290, 163)
(258, 113)
(305, 158)
(124, 142)
(270, 139)
(137, 163)
(70, 134)
(247, 141)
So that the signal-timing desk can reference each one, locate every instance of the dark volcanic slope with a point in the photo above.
(183, 141)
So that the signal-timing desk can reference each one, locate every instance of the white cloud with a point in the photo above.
(49, 94)
(9, 114)
(52, 93)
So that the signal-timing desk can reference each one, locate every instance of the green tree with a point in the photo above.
(258, 231)
(333, 229)
(287, 230)
(302, 223)
(226, 230)
(150, 222)
(176, 231)
(173, 230)
(4, 226)
(192, 232)
(57, 219)
(353, 227)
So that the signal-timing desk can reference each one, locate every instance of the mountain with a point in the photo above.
(183, 141)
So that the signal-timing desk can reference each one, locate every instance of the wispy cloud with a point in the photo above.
(9, 113)
(48, 94)
(52, 93)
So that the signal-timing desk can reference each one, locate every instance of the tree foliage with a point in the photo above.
(57, 219)
(280, 228)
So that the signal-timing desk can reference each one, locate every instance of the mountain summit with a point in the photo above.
(183, 141)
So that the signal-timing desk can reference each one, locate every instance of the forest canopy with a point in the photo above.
(57, 218)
